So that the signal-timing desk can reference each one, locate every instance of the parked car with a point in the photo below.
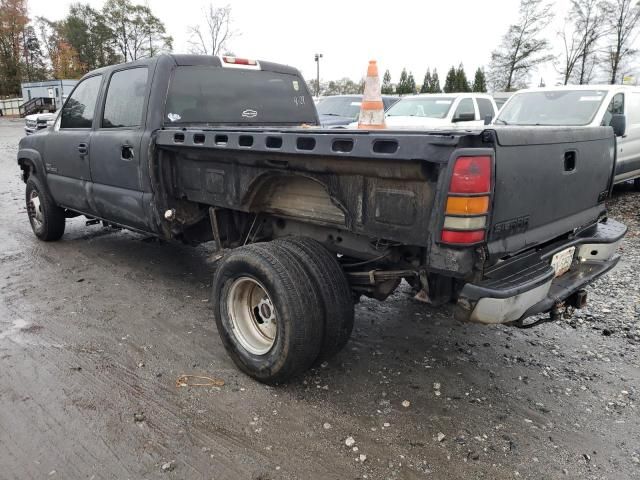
(584, 105)
(304, 221)
(38, 121)
(341, 110)
(433, 110)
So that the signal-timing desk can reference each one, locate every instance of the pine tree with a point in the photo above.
(387, 88)
(411, 84)
(426, 83)
(402, 87)
(450, 83)
(435, 83)
(479, 81)
(462, 84)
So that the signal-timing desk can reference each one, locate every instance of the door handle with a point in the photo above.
(126, 153)
(83, 148)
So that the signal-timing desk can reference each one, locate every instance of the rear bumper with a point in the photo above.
(526, 285)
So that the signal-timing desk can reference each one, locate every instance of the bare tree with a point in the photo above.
(588, 17)
(213, 37)
(522, 47)
(572, 49)
(622, 17)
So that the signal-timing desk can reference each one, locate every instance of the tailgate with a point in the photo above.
(548, 182)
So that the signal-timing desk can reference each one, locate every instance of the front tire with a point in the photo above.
(46, 218)
(267, 312)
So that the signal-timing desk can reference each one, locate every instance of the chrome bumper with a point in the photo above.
(523, 287)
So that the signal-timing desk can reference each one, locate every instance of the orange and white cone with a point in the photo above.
(372, 108)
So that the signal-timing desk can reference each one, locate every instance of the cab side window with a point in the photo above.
(615, 106)
(125, 98)
(485, 107)
(465, 110)
(79, 109)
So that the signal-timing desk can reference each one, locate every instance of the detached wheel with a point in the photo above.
(46, 218)
(335, 293)
(267, 312)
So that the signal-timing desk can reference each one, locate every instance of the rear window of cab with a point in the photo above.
(214, 95)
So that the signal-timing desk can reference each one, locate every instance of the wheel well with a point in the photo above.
(295, 196)
(27, 167)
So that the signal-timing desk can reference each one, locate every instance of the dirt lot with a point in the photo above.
(95, 330)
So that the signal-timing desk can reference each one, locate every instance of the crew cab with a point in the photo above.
(504, 222)
(584, 105)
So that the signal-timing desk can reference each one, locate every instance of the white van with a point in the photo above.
(584, 105)
(433, 110)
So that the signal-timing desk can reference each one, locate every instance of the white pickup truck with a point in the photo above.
(38, 121)
(584, 105)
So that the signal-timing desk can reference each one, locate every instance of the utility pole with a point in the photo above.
(318, 57)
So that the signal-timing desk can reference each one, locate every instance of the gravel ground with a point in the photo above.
(95, 330)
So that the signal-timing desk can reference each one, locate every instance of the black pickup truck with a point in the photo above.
(507, 222)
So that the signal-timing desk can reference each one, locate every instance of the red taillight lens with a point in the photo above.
(471, 175)
(451, 236)
(239, 61)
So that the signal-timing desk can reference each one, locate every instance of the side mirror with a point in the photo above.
(619, 124)
(488, 119)
(464, 117)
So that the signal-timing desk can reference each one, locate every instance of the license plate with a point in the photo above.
(561, 261)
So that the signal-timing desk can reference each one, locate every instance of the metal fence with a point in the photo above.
(10, 106)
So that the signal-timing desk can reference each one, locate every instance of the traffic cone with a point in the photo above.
(372, 108)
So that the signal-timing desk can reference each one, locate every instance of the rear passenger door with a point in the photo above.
(67, 147)
(115, 150)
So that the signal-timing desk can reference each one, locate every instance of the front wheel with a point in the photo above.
(267, 312)
(46, 218)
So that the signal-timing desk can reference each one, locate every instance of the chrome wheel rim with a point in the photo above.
(34, 208)
(253, 316)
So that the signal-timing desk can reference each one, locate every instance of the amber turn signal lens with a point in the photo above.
(467, 205)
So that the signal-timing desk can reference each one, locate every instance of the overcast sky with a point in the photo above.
(413, 34)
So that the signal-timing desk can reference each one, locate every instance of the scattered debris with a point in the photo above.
(326, 426)
(168, 466)
(183, 381)
(350, 442)
(406, 403)
(441, 436)
(139, 417)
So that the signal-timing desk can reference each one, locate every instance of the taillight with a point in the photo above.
(468, 201)
(239, 61)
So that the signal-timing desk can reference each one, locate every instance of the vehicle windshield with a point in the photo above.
(214, 95)
(339, 106)
(554, 108)
(435, 107)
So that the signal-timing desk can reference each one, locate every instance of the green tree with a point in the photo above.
(411, 84)
(426, 83)
(479, 81)
(86, 31)
(135, 30)
(387, 88)
(462, 84)
(451, 82)
(435, 83)
(402, 87)
(13, 22)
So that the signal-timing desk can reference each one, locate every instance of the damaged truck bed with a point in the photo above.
(507, 222)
